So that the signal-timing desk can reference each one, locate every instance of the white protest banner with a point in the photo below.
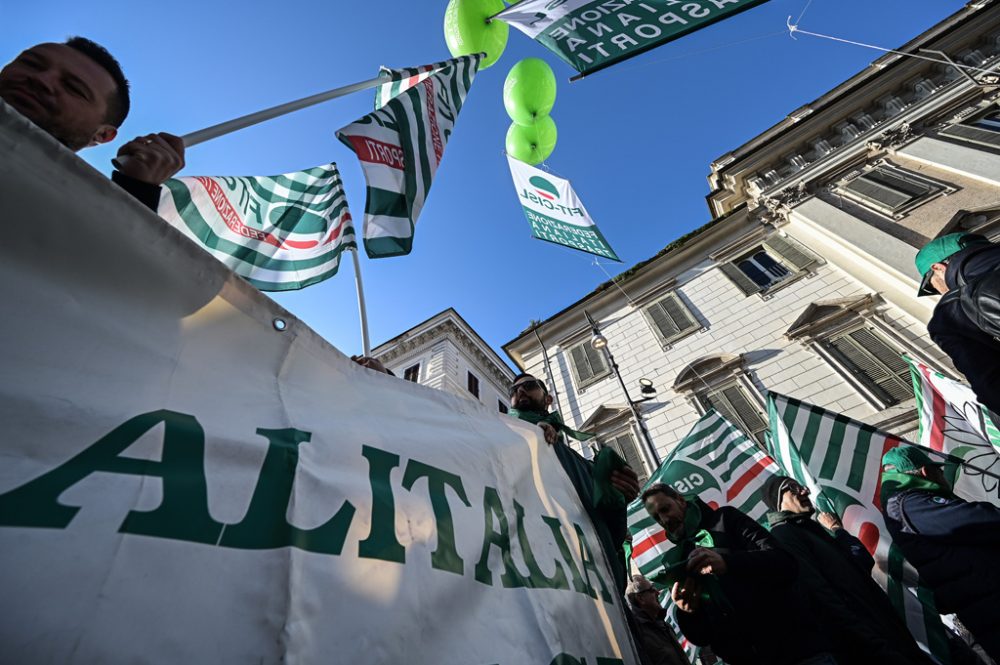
(190, 474)
(555, 212)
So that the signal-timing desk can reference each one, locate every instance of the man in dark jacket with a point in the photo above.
(734, 585)
(943, 262)
(835, 574)
(657, 643)
(530, 401)
(77, 93)
(953, 544)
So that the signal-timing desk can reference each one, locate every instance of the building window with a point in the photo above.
(589, 364)
(671, 319)
(412, 373)
(984, 130)
(870, 360)
(625, 445)
(767, 265)
(734, 404)
(890, 190)
(473, 384)
(503, 407)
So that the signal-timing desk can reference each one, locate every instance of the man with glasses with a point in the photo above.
(530, 401)
(835, 575)
(657, 642)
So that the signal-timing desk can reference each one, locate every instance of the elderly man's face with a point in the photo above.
(528, 394)
(668, 513)
(62, 91)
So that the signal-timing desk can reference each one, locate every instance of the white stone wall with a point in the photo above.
(735, 324)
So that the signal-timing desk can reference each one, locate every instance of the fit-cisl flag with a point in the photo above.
(555, 212)
(593, 34)
(400, 146)
(278, 232)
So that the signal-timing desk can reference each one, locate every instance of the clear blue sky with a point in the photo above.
(636, 139)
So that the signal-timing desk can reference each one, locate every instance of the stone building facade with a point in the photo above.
(803, 283)
(444, 352)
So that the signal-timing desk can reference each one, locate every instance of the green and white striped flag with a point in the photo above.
(280, 232)
(718, 463)
(840, 460)
(400, 146)
(954, 422)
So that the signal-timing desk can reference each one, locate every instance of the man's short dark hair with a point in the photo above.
(661, 488)
(118, 103)
(540, 382)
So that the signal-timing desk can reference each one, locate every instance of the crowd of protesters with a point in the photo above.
(797, 593)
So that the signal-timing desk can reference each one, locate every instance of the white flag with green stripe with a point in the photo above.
(278, 232)
(400, 146)
(840, 460)
(718, 463)
(954, 422)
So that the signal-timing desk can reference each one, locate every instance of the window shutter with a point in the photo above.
(627, 448)
(742, 282)
(874, 363)
(598, 364)
(670, 317)
(733, 404)
(877, 193)
(580, 364)
(791, 251)
(973, 135)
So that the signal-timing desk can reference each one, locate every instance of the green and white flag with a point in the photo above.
(402, 80)
(840, 461)
(400, 146)
(278, 232)
(555, 212)
(954, 422)
(715, 461)
(593, 34)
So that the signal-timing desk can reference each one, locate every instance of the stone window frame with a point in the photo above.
(596, 377)
(472, 384)
(694, 323)
(935, 186)
(414, 371)
(792, 254)
(719, 372)
(967, 130)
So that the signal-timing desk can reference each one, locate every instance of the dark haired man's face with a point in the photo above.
(668, 513)
(527, 394)
(62, 91)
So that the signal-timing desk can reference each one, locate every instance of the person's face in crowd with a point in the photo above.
(648, 600)
(528, 394)
(935, 474)
(668, 513)
(938, 271)
(795, 498)
(62, 91)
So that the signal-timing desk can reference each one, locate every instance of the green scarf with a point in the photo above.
(894, 482)
(675, 560)
(553, 418)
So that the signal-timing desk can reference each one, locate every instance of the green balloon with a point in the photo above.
(532, 144)
(529, 91)
(466, 30)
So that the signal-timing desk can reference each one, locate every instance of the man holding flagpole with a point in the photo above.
(76, 92)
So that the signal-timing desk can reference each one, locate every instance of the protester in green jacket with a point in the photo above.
(530, 401)
(835, 574)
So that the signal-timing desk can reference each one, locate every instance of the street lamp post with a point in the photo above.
(599, 342)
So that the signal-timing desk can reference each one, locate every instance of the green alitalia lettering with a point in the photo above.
(590, 566)
(183, 511)
(493, 537)
(578, 584)
(536, 578)
(445, 556)
(265, 525)
(381, 542)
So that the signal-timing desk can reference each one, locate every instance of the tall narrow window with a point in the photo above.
(732, 402)
(874, 363)
(412, 373)
(625, 445)
(671, 319)
(765, 266)
(473, 384)
(503, 407)
(588, 363)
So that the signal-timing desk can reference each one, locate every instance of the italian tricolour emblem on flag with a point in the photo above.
(400, 146)
(278, 232)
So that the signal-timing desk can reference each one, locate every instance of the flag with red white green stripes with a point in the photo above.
(401, 80)
(840, 461)
(954, 422)
(718, 463)
(278, 232)
(400, 146)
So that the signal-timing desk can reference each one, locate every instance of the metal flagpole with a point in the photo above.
(230, 126)
(366, 345)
